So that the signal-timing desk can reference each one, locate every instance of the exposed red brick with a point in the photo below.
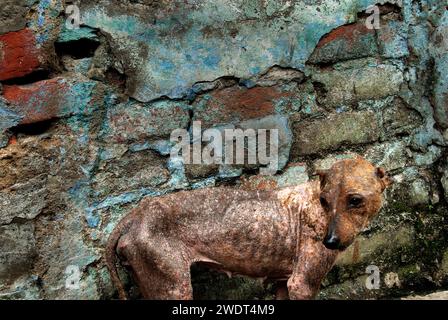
(39, 101)
(239, 104)
(348, 33)
(19, 55)
(251, 103)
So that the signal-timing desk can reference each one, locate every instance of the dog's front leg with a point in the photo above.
(314, 261)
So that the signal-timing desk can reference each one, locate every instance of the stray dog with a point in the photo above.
(291, 234)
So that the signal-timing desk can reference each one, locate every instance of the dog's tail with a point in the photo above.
(111, 255)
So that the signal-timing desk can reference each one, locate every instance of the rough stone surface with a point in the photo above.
(86, 115)
(13, 15)
(134, 122)
(439, 46)
(313, 137)
(358, 80)
(416, 189)
(23, 200)
(386, 241)
(131, 172)
(17, 250)
(398, 119)
(390, 156)
(392, 38)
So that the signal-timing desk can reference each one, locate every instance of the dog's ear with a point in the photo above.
(322, 177)
(386, 181)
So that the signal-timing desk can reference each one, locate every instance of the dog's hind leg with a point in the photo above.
(161, 269)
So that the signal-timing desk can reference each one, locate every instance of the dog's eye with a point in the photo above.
(354, 202)
(324, 202)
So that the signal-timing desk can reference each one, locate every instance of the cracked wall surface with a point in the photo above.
(86, 115)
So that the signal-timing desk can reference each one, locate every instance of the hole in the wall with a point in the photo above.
(389, 7)
(36, 76)
(33, 129)
(384, 9)
(79, 49)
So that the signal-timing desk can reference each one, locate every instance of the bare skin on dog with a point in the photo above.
(292, 234)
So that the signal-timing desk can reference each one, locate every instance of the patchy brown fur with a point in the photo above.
(276, 234)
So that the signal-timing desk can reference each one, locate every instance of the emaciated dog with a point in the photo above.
(292, 234)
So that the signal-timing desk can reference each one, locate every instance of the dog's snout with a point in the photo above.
(332, 241)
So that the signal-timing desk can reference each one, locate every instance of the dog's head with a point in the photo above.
(351, 195)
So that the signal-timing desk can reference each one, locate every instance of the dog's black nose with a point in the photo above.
(332, 242)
